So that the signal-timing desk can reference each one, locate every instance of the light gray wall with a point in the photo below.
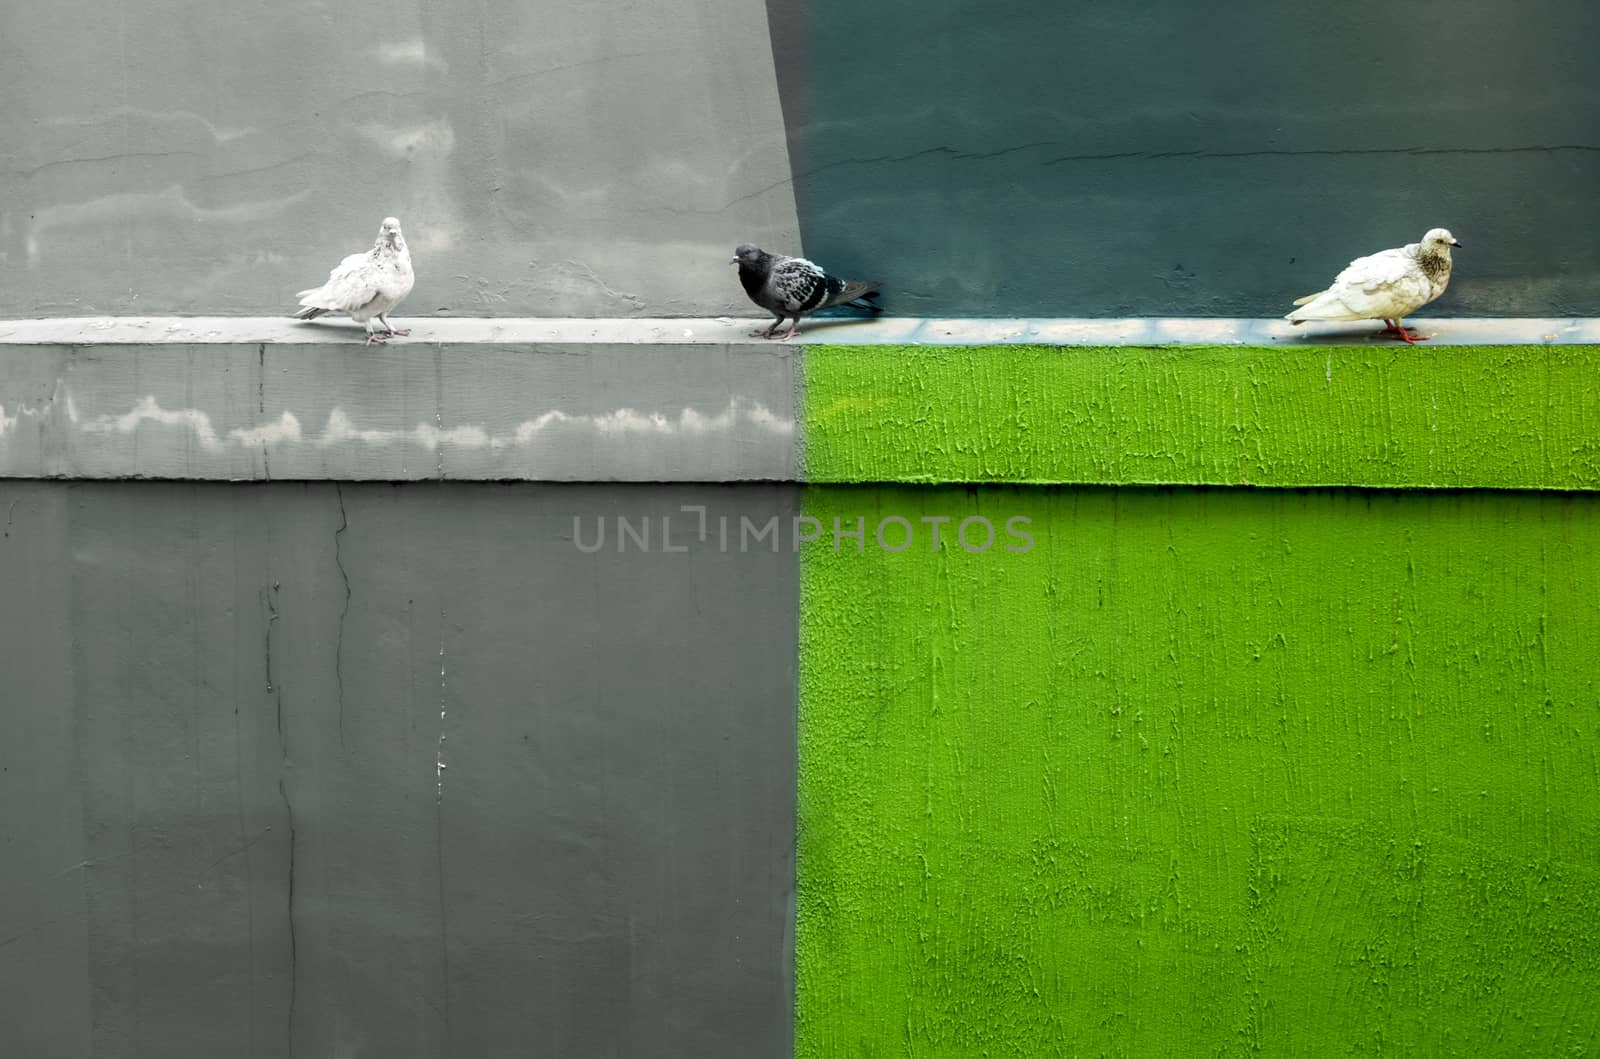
(596, 159)
(225, 830)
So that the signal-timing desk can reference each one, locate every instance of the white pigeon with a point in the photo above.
(1389, 286)
(366, 287)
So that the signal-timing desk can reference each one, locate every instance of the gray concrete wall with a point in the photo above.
(278, 400)
(227, 832)
(600, 159)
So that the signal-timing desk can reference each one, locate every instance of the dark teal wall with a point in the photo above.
(1163, 157)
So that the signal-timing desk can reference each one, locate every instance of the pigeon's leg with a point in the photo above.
(1399, 330)
(794, 328)
(1410, 334)
(373, 338)
(769, 332)
(390, 327)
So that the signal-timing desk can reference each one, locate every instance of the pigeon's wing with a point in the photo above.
(796, 285)
(350, 286)
(1384, 284)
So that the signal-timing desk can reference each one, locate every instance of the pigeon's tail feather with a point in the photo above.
(1309, 298)
(868, 301)
(310, 312)
(855, 289)
(1324, 306)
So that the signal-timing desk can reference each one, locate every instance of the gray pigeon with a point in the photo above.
(793, 286)
(366, 287)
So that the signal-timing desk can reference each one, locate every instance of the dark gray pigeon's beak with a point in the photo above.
(733, 261)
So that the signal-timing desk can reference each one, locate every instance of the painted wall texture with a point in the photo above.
(1215, 772)
(1172, 159)
(1517, 417)
(226, 829)
(593, 160)
(1198, 770)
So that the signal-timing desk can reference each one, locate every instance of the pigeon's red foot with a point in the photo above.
(375, 339)
(1410, 334)
(759, 333)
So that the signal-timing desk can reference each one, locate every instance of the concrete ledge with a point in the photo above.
(232, 410)
(125, 330)
(1223, 402)
(1428, 416)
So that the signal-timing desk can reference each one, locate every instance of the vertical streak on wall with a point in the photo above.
(786, 42)
(789, 28)
(1204, 772)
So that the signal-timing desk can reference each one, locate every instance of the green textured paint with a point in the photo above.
(1204, 772)
(1519, 417)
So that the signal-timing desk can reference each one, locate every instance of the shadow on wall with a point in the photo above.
(1167, 158)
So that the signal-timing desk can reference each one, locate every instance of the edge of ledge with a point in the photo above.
(1132, 331)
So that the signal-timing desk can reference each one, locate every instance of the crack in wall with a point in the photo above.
(438, 844)
(438, 411)
(338, 641)
(439, 764)
(294, 941)
(261, 405)
(955, 154)
(269, 599)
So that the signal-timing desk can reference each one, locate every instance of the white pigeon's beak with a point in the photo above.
(1455, 242)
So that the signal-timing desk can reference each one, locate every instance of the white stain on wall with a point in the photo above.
(148, 410)
(430, 437)
(340, 429)
(689, 421)
(285, 430)
(410, 53)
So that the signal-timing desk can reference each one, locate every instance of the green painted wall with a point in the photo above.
(1205, 771)
(1375, 415)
